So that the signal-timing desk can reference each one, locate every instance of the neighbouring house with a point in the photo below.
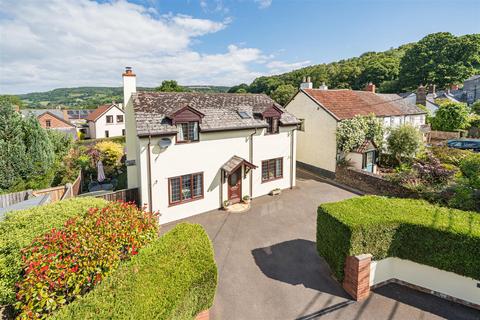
(321, 110)
(189, 153)
(471, 87)
(106, 121)
(431, 99)
(79, 118)
(54, 119)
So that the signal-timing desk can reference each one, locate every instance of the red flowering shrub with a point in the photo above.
(67, 263)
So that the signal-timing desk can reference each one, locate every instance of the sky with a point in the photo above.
(47, 44)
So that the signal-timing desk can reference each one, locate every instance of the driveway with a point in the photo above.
(269, 267)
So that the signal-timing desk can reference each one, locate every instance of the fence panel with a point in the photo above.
(10, 199)
(127, 195)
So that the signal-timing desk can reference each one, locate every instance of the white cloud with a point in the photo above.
(263, 4)
(66, 43)
(276, 66)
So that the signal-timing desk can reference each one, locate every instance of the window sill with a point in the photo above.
(184, 201)
(186, 142)
(273, 179)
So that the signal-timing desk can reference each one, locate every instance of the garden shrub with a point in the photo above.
(448, 239)
(404, 142)
(66, 263)
(450, 155)
(174, 277)
(20, 228)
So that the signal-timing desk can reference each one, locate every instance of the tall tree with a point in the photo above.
(170, 86)
(441, 59)
(451, 116)
(283, 93)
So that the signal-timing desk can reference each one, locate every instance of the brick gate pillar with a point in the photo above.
(357, 276)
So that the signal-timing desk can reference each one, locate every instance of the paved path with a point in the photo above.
(269, 267)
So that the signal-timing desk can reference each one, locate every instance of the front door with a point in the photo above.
(235, 186)
(369, 161)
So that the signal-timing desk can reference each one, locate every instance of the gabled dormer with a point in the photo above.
(187, 120)
(272, 116)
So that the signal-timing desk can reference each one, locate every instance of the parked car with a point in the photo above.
(465, 144)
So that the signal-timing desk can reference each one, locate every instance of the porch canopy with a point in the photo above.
(234, 163)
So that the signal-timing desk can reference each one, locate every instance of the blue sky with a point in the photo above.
(66, 43)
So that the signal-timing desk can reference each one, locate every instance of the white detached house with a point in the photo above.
(189, 152)
(106, 121)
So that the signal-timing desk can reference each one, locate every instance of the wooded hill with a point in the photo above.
(440, 58)
(90, 97)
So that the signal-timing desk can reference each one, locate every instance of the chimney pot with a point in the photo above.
(306, 84)
(128, 72)
(370, 87)
(323, 86)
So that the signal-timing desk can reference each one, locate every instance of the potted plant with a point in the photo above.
(246, 199)
(275, 191)
(226, 203)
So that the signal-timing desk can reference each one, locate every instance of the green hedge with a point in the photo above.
(175, 277)
(444, 238)
(20, 228)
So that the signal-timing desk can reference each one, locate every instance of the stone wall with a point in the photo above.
(370, 183)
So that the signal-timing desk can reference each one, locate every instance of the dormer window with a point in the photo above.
(272, 125)
(187, 131)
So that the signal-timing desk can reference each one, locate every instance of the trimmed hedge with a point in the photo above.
(19, 229)
(415, 230)
(174, 277)
(66, 263)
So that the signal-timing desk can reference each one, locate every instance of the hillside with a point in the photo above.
(90, 97)
(439, 58)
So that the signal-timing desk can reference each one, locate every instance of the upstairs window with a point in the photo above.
(187, 132)
(109, 119)
(48, 123)
(120, 118)
(272, 125)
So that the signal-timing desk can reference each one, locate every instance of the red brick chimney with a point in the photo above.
(370, 87)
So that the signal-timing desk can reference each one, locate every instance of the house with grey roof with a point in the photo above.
(471, 87)
(189, 153)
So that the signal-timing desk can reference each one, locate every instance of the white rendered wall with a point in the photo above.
(114, 129)
(132, 146)
(425, 276)
(207, 156)
(317, 145)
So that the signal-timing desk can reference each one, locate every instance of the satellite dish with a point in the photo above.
(165, 143)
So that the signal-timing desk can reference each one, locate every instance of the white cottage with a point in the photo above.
(188, 153)
(320, 110)
(106, 121)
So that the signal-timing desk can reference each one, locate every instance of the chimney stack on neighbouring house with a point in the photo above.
(323, 86)
(306, 83)
(129, 85)
(370, 87)
(421, 95)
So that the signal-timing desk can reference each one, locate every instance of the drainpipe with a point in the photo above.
(251, 161)
(292, 141)
(149, 169)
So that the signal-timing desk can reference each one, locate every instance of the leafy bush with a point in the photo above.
(351, 133)
(470, 168)
(431, 171)
(404, 142)
(66, 263)
(450, 155)
(19, 229)
(451, 116)
(175, 277)
(467, 192)
(415, 230)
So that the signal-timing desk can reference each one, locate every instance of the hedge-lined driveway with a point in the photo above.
(269, 267)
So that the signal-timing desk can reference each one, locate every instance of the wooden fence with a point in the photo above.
(442, 135)
(127, 195)
(69, 190)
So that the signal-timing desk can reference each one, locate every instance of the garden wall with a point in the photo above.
(371, 183)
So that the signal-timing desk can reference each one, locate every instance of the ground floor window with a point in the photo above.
(272, 169)
(123, 132)
(107, 134)
(185, 188)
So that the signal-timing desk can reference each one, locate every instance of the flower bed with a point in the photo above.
(20, 228)
(65, 263)
(415, 230)
(175, 277)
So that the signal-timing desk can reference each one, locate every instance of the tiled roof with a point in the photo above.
(220, 110)
(97, 113)
(39, 112)
(346, 104)
(234, 162)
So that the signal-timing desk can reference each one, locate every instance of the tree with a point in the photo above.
(404, 142)
(15, 101)
(170, 86)
(283, 93)
(241, 88)
(441, 59)
(451, 116)
(351, 133)
(476, 107)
